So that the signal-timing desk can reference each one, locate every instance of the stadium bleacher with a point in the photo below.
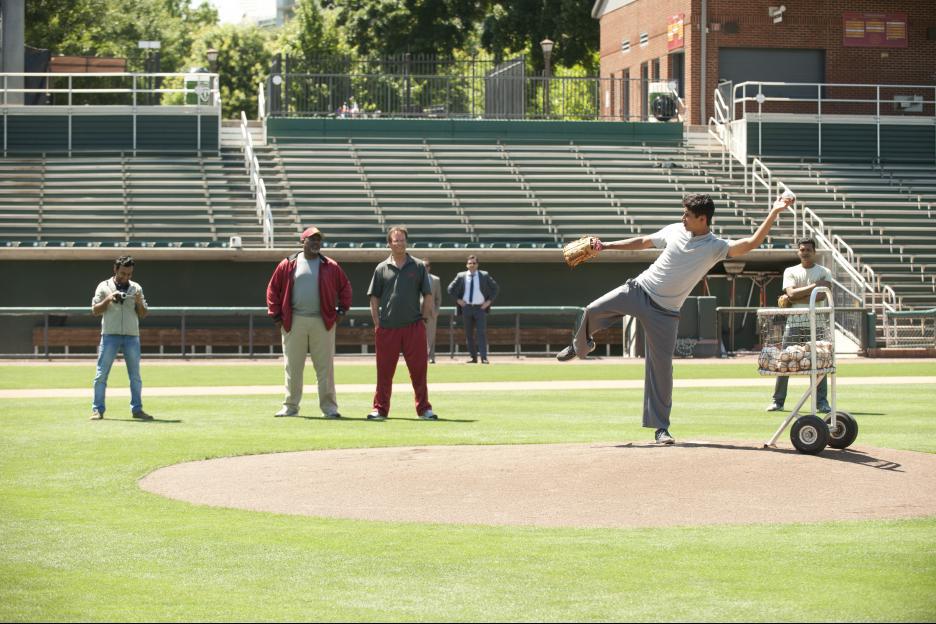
(883, 211)
(483, 193)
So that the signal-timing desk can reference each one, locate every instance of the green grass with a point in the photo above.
(80, 541)
(80, 375)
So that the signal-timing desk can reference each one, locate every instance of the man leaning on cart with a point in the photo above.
(798, 284)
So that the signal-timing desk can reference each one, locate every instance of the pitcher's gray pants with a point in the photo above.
(660, 327)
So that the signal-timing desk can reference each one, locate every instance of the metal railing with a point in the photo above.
(186, 320)
(846, 263)
(110, 89)
(742, 337)
(914, 329)
(495, 96)
(134, 95)
(257, 185)
(824, 102)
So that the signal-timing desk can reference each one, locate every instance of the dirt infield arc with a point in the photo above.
(566, 485)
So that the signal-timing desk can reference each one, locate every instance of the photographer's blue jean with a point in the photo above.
(107, 351)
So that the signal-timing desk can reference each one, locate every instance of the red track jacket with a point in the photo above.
(334, 291)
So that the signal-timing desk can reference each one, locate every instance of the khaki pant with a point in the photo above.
(308, 335)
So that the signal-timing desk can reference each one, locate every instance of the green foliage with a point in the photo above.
(312, 33)
(389, 27)
(520, 25)
(113, 28)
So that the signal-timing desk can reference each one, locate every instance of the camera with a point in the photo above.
(120, 296)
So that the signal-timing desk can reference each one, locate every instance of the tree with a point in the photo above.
(312, 33)
(520, 25)
(113, 28)
(388, 27)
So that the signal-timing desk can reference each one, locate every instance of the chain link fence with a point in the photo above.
(915, 329)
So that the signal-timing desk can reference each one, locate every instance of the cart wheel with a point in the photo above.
(845, 432)
(809, 435)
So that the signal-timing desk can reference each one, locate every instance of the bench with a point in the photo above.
(267, 339)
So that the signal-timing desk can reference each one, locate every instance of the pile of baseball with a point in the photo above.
(794, 358)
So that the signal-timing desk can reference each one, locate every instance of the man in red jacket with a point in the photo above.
(305, 296)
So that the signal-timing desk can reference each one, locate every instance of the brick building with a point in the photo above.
(807, 41)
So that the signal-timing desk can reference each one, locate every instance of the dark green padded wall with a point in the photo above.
(36, 134)
(102, 133)
(49, 133)
(617, 133)
(908, 143)
(899, 143)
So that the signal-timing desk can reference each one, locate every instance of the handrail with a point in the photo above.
(781, 190)
(261, 103)
(210, 95)
(758, 165)
(721, 107)
(760, 98)
(257, 185)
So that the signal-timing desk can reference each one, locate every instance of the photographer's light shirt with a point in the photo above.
(119, 318)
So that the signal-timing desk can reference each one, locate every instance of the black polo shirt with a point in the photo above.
(399, 291)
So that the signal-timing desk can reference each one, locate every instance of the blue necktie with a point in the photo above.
(470, 288)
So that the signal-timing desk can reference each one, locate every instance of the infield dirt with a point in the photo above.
(567, 485)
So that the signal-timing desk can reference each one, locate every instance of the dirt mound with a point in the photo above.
(566, 485)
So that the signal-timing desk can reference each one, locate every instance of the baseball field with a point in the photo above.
(83, 537)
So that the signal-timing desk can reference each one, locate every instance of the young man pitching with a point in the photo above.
(655, 296)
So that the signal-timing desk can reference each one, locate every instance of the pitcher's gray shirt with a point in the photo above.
(685, 260)
(306, 300)
(119, 318)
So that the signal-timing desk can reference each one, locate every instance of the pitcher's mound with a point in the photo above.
(566, 485)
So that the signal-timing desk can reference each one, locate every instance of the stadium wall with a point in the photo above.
(50, 132)
(177, 283)
(591, 132)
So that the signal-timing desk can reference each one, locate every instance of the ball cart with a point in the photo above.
(800, 342)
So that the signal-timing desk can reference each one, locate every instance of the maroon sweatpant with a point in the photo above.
(411, 340)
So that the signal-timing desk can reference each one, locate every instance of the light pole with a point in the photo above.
(212, 55)
(547, 46)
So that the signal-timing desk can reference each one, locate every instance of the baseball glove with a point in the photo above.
(578, 251)
(784, 301)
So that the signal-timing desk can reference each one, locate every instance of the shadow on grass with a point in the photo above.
(849, 456)
(364, 419)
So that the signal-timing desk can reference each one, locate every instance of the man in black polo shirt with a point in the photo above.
(400, 323)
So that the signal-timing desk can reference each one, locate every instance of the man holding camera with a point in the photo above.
(120, 304)
(305, 297)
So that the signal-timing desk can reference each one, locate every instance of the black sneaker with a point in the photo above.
(824, 408)
(141, 415)
(663, 436)
(473, 360)
(569, 352)
(375, 415)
